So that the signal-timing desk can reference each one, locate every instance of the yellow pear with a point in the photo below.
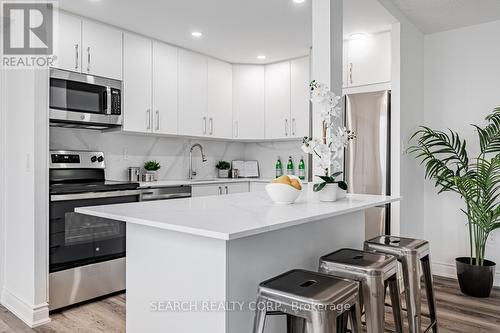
(295, 183)
(283, 180)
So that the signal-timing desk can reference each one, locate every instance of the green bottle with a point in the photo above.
(302, 169)
(279, 168)
(289, 166)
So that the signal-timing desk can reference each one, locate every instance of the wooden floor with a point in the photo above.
(456, 313)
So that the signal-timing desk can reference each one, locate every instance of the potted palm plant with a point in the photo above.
(477, 181)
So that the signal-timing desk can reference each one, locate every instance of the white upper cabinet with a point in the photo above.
(88, 47)
(248, 102)
(368, 60)
(277, 97)
(102, 50)
(300, 79)
(68, 44)
(137, 90)
(192, 94)
(164, 88)
(220, 99)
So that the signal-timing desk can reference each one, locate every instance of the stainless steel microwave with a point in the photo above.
(80, 100)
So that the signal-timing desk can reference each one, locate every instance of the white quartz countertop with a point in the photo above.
(231, 216)
(194, 182)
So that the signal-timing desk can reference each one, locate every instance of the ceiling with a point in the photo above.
(233, 30)
(365, 16)
(432, 16)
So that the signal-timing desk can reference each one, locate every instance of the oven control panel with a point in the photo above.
(76, 159)
(65, 158)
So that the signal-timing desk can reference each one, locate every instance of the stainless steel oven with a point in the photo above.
(79, 100)
(76, 239)
(86, 254)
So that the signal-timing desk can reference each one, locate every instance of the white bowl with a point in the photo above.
(282, 193)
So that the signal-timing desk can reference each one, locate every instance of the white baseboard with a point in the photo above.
(32, 315)
(450, 271)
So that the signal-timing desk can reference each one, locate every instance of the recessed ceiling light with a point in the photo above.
(197, 34)
(299, 1)
(358, 35)
(261, 57)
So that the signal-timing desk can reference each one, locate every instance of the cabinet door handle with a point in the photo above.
(88, 59)
(157, 120)
(211, 126)
(76, 56)
(286, 127)
(204, 125)
(148, 119)
(227, 190)
(294, 126)
(350, 72)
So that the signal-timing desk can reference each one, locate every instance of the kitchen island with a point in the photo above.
(193, 265)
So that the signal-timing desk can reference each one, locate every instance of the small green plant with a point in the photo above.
(223, 165)
(152, 165)
(330, 180)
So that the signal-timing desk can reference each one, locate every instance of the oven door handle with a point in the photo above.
(152, 197)
(94, 195)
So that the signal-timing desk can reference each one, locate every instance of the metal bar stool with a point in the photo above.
(374, 272)
(409, 252)
(311, 301)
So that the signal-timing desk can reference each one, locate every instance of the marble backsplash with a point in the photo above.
(126, 150)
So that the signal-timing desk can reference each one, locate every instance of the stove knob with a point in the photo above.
(93, 159)
(100, 159)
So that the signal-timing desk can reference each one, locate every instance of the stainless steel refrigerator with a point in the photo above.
(367, 160)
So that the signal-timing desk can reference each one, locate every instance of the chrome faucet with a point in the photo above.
(203, 158)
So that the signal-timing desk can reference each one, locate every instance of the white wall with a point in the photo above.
(172, 153)
(407, 115)
(326, 57)
(268, 152)
(26, 201)
(462, 80)
(2, 176)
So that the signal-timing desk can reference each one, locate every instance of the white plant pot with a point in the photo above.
(153, 173)
(341, 194)
(223, 173)
(329, 193)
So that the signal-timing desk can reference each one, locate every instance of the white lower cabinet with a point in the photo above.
(219, 189)
(236, 188)
(257, 187)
